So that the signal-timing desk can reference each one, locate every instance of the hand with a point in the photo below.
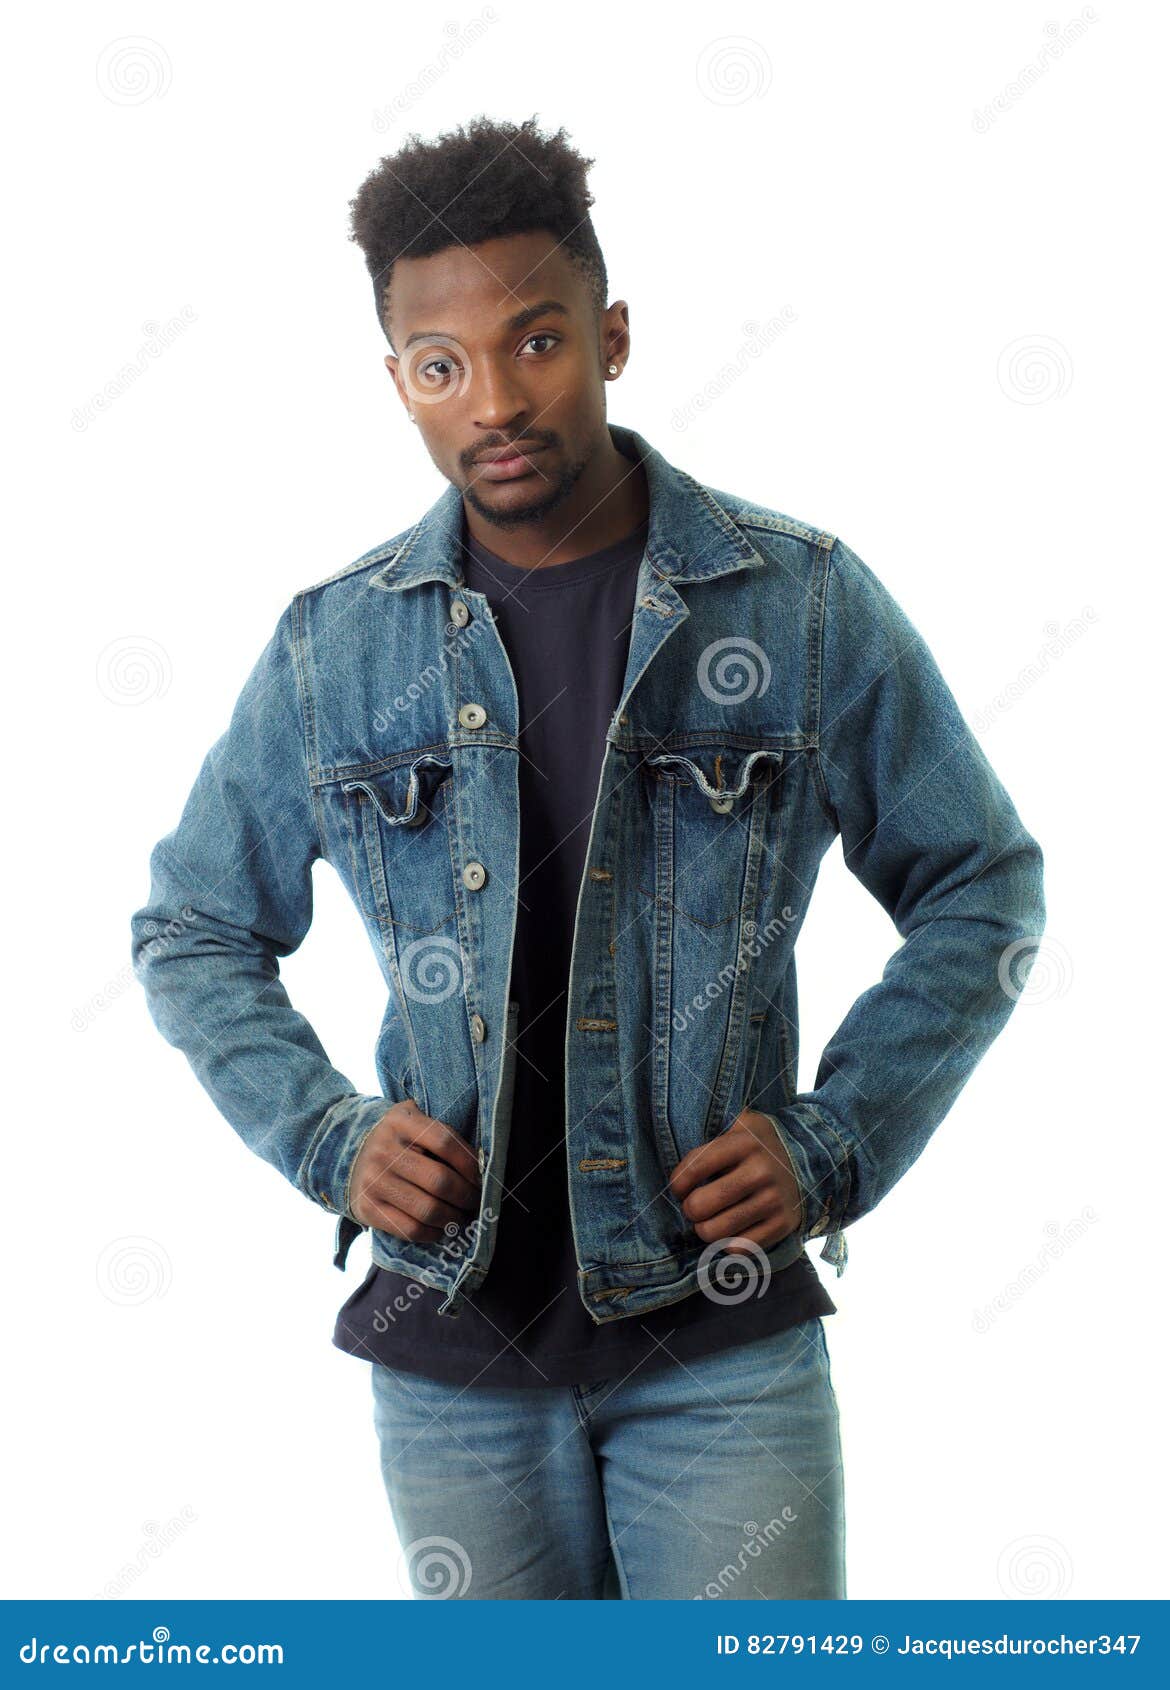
(413, 1176)
(740, 1185)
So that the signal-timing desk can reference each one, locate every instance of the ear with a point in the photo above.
(391, 363)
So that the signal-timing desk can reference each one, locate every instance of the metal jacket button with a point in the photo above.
(472, 715)
(460, 614)
(722, 804)
(478, 1030)
(474, 875)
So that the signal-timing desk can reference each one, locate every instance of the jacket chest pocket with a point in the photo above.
(399, 827)
(713, 850)
(710, 871)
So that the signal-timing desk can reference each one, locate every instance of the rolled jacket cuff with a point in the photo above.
(820, 1161)
(327, 1170)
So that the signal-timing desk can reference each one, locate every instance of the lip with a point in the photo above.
(508, 464)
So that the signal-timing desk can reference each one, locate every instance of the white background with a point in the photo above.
(970, 392)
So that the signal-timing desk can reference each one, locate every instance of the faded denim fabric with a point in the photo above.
(775, 695)
(532, 1495)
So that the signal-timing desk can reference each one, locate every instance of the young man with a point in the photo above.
(576, 743)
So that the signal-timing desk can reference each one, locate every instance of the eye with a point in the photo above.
(542, 334)
(436, 370)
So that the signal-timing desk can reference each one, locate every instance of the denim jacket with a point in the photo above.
(775, 696)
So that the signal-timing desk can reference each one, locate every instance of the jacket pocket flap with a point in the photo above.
(723, 774)
(403, 795)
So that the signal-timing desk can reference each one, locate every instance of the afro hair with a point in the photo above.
(472, 184)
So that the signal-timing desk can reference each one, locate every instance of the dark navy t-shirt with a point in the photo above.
(565, 628)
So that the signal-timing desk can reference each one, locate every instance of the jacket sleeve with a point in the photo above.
(230, 893)
(929, 830)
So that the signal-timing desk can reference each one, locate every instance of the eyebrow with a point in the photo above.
(521, 320)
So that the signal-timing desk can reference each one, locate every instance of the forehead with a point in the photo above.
(481, 285)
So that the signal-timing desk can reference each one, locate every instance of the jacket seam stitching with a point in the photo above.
(816, 678)
(845, 1166)
(324, 1126)
(308, 721)
(766, 523)
(376, 558)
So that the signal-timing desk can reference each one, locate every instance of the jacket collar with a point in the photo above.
(690, 536)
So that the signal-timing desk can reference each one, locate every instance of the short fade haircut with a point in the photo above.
(472, 184)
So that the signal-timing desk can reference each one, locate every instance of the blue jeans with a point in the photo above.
(717, 1478)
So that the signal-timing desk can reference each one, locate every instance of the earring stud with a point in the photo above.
(613, 369)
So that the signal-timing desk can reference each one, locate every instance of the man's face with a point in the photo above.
(500, 345)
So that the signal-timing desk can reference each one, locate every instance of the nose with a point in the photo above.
(495, 397)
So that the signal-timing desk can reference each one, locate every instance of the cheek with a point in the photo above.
(569, 386)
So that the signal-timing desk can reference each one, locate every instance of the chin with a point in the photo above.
(509, 504)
